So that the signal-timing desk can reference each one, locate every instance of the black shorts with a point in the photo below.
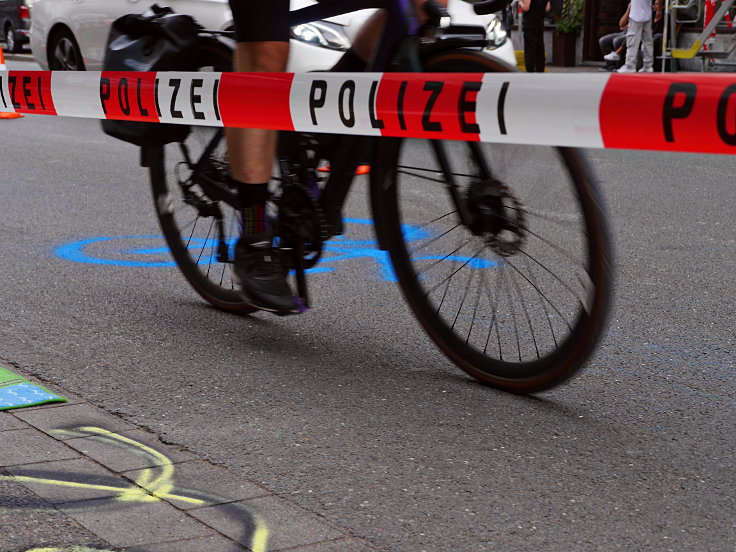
(261, 20)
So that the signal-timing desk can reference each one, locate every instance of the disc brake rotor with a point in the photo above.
(497, 216)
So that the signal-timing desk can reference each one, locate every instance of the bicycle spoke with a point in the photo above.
(427, 293)
(423, 177)
(509, 297)
(542, 295)
(427, 224)
(436, 238)
(465, 295)
(475, 309)
(560, 280)
(555, 218)
(435, 170)
(206, 241)
(191, 234)
(526, 312)
(493, 304)
(543, 304)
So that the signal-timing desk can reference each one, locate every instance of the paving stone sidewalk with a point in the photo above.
(75, 478)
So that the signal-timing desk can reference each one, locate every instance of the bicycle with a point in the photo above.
(506, 265)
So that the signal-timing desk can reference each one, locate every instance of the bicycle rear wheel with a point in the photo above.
(201, 231)
(518, 296)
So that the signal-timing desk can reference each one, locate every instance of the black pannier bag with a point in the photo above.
(158, 40)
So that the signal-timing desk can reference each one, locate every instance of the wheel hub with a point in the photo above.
(497, 216)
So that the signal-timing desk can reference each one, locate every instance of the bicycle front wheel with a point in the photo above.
(516, 293)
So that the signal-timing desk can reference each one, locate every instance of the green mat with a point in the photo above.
(17, 392)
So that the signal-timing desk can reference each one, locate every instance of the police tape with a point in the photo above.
(673, 112)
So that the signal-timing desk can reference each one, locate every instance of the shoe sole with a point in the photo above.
(251, 303)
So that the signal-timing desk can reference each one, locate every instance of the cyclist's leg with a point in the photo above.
(356, 58)
(252, 150)
(262, 32)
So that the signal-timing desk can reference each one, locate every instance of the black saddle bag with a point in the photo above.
(158, 40)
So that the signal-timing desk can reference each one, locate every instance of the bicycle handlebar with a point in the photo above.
(331, 8)
(490, 6)
(434, 11)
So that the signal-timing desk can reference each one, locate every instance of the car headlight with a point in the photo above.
(495, 32)
(323, 34)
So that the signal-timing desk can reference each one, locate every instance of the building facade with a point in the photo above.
(601, 18)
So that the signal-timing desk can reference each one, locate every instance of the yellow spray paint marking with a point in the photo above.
(159, 487)
(72, 484)
(148, 487)
(126, 494)
(260, 536)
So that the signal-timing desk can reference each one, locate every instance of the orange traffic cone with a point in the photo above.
(3, 114)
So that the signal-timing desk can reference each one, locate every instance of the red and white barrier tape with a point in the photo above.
(673, 112)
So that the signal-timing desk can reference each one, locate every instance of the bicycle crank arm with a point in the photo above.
(297, 255)
(301, 280)
(216, 190)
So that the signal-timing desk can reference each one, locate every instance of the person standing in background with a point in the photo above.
(612, 45)
(658, 33)
(532, 27)
(638, 34)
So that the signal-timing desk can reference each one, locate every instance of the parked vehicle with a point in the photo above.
(72, 34)
(15, 22)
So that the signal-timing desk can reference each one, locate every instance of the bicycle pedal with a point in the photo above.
(301, 305)
(300, 308)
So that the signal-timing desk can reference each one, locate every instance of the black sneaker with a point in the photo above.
(260, 275)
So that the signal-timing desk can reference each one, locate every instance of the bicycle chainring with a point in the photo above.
(301, 219)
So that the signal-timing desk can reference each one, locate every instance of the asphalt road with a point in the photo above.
(349, 410)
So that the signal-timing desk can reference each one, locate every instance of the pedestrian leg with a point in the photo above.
(529, 61)
(541, 54)
(647, 48)
(633, 40)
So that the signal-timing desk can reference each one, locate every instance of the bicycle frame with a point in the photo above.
(396, 49)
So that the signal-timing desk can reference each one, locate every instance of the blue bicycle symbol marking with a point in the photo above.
(152, 252)
(79, 252)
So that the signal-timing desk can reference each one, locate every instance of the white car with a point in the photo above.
(72, 34)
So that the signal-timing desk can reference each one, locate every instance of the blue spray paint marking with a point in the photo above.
(337, 250)
(77, 252)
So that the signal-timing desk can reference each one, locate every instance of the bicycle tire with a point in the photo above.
(190, 242)
(548, 360)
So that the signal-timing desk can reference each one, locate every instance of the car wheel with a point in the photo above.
(12, 46)
(64, 54)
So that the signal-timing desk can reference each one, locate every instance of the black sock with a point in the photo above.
(253, 199)
(349, 63)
